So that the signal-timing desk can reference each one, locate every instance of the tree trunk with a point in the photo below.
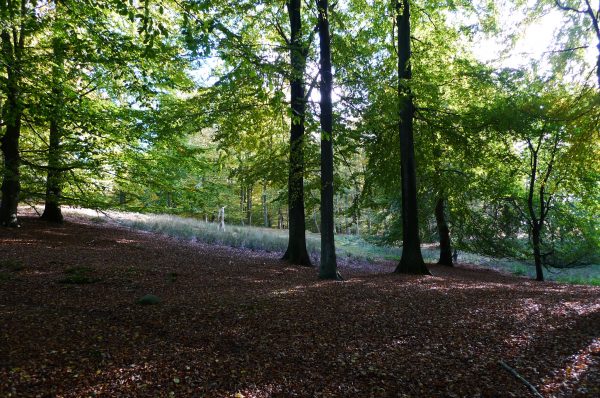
(221, 218)
(296, 252)
(328, 266)
(52, 211)
(444, 234)
(11, 186)
(356, 214)
(411, 261)
(264, 206)
(9, 143)
(536, 224)
(249, 205)
(242, 199)
(537, 253)
(280, 219)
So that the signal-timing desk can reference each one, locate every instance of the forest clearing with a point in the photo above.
(279, 198)
(237, 322)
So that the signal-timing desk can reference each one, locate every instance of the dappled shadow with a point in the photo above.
(233, 320)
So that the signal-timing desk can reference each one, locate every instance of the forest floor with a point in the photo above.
(241, 323)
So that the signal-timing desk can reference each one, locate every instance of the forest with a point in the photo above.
(400, 187)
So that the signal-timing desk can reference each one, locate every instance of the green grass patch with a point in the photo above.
(347, 246)
(578, 280)
(519, 270)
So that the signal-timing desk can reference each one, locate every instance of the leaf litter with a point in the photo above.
(240, 323)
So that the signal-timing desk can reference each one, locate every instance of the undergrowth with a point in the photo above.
(347, 246)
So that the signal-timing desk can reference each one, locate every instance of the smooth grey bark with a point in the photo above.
(411, 261)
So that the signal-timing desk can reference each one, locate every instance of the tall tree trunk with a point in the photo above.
(52, 211)
(411, 261)
(328, 266)
(537, 252)
(9, 143)
(444, 234)
(296, 251)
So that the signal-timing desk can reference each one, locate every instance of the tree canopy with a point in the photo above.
(189, 107)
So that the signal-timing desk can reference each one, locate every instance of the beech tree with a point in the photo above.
(19, 22)
(52, 210)
(296, 252)
(412, 259)
(328, 267)
(113, 118)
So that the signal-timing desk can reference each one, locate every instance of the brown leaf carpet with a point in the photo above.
(234, 322)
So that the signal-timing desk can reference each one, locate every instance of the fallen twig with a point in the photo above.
(533, 390)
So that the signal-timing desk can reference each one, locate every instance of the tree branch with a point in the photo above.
(567, 8)
(281, 32)
(513, 372)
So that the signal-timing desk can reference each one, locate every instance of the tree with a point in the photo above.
(443, 233)
(549, 134)
(18, 22)
(529, 192)
(412, 259)
(52, 211)
(296, 251)
(328, 266)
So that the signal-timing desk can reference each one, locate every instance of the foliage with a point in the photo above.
(181, 107)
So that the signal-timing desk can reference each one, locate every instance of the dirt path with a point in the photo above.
(238, 323)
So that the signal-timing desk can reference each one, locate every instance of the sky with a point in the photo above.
(536, 40)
